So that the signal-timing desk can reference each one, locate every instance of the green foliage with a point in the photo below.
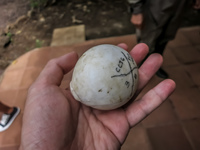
(38, 43)
(9, 35)
(38, 3)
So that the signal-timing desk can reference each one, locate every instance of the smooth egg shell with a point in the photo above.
(105, 77)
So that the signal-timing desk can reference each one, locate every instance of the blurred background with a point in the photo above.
(27, 24)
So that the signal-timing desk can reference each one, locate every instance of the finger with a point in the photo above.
(123, 45)
(56, 68)
(148, 69)
(138, 110)
(146, 72)
(139, 52)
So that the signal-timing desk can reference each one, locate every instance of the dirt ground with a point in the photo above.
(23, 29)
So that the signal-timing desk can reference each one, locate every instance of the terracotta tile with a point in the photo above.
(20, 99)
(60, 51)
(192, 33)
(194, 72)
(186, 54)
(192, 128)
(10, 147)
(12, 135)
(8, 96)
(186, 102)
(186, 96)
(180, 76)
(130, 40)
(20, 62)
(169, 58)
(39, 57)
(80, 48)
(11, 79)
(29, 76)
(162, 115)
(137, 139)
(180, 40)
(170, 137)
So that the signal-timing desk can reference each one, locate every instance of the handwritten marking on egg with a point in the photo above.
(105, 77)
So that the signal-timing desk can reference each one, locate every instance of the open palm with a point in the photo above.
(54, 120)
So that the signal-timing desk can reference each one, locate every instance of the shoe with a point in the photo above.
(162, 74)
(7, 119)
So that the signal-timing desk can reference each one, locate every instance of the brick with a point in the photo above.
(194, 71)
(130, 40)
(137, 139)
(20, 99)
(180, 76)
(193, 34)
(161, 116)
(39, 57)
(10, 147)
(186, 54)
(169, 137)
(8, 96)
(186, 103)
(186, 96)
(11, 79)
(60, 51)
(169, 58)
(68, 35)
(12, 136)
(192, 129)
(180, 40)
(80, 48)
(29, 76)
(19, 63)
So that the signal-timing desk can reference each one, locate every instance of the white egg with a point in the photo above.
(105, 77)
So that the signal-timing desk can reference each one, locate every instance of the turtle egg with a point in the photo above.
(105, 77)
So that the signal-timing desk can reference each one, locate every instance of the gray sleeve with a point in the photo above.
(136, 6)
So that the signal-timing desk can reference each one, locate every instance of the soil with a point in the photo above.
(23, 28)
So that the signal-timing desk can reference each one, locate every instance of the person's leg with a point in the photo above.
(160, 49)
(168, 33)
(160, 45)
(138, 35)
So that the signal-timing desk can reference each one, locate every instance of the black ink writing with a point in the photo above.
(120, 64)
(127, 84)
(128, 59)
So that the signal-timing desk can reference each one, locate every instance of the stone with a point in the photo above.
(68, 35)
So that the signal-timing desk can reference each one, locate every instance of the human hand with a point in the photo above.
(197, 4)
(137, 20)
(53, 119)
